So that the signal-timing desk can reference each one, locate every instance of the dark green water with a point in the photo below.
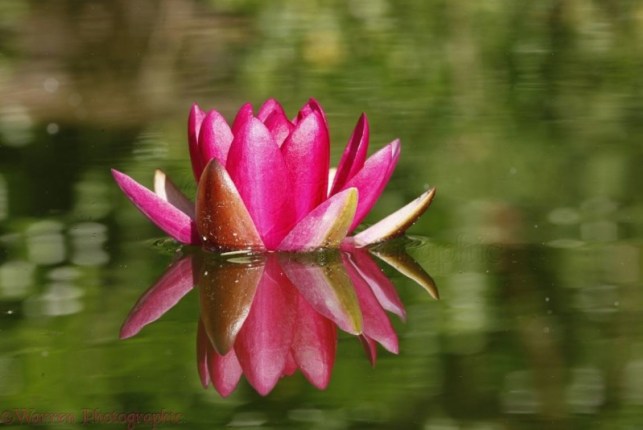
(527, 117)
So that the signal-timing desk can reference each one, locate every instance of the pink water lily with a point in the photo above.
(265, 183)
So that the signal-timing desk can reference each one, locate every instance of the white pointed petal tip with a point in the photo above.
(168, 191)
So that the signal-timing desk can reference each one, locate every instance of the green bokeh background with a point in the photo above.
(527, 117)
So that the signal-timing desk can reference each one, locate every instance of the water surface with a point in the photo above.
(527, 119)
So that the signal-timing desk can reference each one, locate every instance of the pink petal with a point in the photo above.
(371, 180)
(291, 365)
(326, 226)
(226, 292)
(244, 115)
(165, 189)
(354, 155)
(273, 116)
(173, 285)
(314, 344)
(263, 344)
(397, 223)
(312, 106)
(258, 170)
(279, 126)
(379, 283)
(376, 323)
(306, 152)
(370, 347)
(327, 288)
(268, 108)
(166, 216)
(225, 371)
(202, 346)
(194, 126)
(223, 221)
(215, 138)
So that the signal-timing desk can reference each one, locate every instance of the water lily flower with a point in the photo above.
(265, 183)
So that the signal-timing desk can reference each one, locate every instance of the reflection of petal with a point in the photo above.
(225, 371)
(370, 347)
(267, 315)
(314, 344)
(397, 223)
(165, 293)
(226, 293)
(376, 323)
(327, 288)
(407, 266)
(202, 345)
(381, 286)
(291, 365)
(263, 343)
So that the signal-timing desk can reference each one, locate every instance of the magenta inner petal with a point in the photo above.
(279, 126)
(258, 170)
(311, 106)
(244, 114)
(268, 108)
(354, 155)
(307, 155)
(194, 126)
(215, 138)
(372, 178)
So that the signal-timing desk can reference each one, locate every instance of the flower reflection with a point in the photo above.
(267, 315)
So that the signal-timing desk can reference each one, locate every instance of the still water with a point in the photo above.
(528, 118)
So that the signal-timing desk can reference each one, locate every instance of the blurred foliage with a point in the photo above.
(527, 116)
